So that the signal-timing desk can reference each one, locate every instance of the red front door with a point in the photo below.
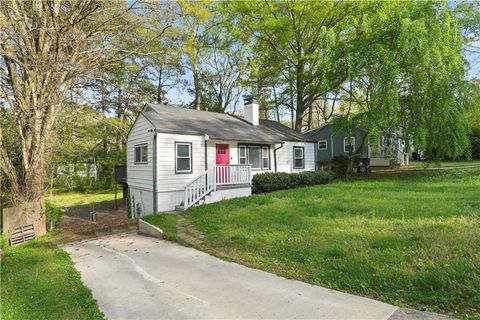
(223, 153)
(223, 157)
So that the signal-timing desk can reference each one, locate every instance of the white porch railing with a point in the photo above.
(232, 174)
(216, 176)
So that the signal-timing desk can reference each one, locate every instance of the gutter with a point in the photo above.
(275, 154)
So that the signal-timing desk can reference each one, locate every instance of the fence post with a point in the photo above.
(92, 212)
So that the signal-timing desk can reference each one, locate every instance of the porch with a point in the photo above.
(220, 181)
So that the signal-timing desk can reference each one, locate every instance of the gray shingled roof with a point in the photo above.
(218, 126)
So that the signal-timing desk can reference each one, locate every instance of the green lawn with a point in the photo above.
(38, 281)
(66, 199)
(409, 239)
(166, 222)
(444, 164)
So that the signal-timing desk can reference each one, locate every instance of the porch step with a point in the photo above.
(182, 208)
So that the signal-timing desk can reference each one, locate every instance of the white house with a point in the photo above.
(178, 157)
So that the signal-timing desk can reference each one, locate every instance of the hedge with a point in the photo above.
(272, 181)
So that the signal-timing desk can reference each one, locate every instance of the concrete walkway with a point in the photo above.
(137, 277)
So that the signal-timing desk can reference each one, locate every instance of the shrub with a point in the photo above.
(340, 165)
(53, 213)
(271, 181)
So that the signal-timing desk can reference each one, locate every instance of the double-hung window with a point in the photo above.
(141, 154)
(257, 156)
(265, 157)
(242, 154)
(183, 157)
(322, 145)
(349, 144)
(298, 158)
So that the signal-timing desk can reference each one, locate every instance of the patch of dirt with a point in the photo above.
(107, 221)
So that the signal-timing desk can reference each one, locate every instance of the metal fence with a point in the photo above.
(88, 211)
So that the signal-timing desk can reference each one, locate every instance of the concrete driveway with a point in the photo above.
(137, 277)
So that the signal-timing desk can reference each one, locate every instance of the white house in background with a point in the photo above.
(179, 157)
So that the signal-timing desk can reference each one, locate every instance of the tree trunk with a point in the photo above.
(197, 89)
(159, 87)
(300, 103)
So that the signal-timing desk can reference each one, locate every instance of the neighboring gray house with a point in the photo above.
(179, 157)
(330, 145)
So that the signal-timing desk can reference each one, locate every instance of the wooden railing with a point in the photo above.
(199, 188)
(232, 174)
(218, 175)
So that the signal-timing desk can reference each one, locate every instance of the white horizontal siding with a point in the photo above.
(140, 175)
(167, 179)
(285, 157)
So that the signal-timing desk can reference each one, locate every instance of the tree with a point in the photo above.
(297, 39)
(194, 23)
(45, 46)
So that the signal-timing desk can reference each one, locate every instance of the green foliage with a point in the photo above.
(53, 212)
(39, 281)
(475, 142)
(130, 211)
(409, 239)
(340, 165)
(272, 181)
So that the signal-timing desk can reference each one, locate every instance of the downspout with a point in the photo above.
(331, 146)
(315, 150)
(275, 154)
(155, 200)
(206, 153)
(206, 138)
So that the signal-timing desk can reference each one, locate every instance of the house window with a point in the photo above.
(242, 154)
(257, 156)
(141, 154)
(349, 144)
(298, 158)
(265, 158)
(183, 157)
(322, 145)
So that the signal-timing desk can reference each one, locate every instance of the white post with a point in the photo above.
(214, 178)
(185, 198)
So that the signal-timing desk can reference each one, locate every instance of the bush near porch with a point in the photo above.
(410, 239)
(273, 181)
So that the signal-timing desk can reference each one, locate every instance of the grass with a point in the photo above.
(166, 222)
(444, 164)
(66, 199)
(410, 239)
(39, 281)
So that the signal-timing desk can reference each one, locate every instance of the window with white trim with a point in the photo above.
(349, 144)
(242, 154)
(183, 157)
(298, 158)
(257, 156)
(265, 158)
(141, 154)
(322, 144)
